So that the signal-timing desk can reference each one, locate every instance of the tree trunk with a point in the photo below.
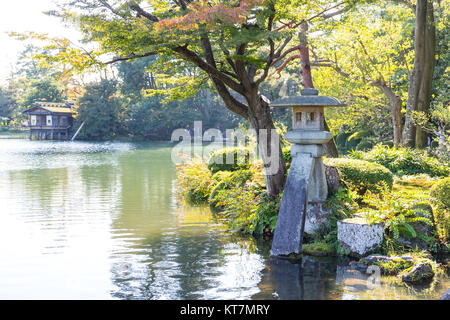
(395, 103)
(329, 147)
(261, 121)
(419, 90)
(429, 64)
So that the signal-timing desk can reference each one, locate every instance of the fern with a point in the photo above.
(392, 210)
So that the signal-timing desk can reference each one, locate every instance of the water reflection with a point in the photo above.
(102, 221)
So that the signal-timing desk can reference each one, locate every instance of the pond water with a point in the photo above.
(82, 220)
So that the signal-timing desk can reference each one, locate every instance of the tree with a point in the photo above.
(371, 48)
(45, 89)
(101, 110)
(420, 81)
(234, 43)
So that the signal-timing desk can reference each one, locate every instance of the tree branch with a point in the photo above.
(143, 13)
(131, 57)
(209, 69)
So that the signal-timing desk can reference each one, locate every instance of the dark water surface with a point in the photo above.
(85, 220)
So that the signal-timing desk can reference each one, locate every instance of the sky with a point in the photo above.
(21, 16)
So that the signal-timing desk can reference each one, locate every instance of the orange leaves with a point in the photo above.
(203, 13)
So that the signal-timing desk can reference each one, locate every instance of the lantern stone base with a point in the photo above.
(316, 215)
(301, 207)
(288, 235)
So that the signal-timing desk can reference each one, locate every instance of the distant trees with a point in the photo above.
(378, 58)
(8, 103)
(102, 111)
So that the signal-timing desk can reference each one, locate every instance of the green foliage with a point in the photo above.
(229, 159)
(324, 240)
(194, 181)
(45, 89)
(394, 266)
(440, 194)
(402, 161)
(226, 180)
(396, 213)
(287, 156)
(234, 194)
(318, 248)
(8, 103)
(361, 175)
(440, 199)
(101, 110)
(267, 214)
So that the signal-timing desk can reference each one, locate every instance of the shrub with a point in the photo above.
(440, 194)
(240, 206)
(403, 161)
(365, 144)
(229, 159)
(361, 175)
(195, 181)
(287, 156)
(225, 180)
(398, 214)
(267, 214)
(440, 199)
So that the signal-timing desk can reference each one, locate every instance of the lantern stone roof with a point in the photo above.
(308, 97)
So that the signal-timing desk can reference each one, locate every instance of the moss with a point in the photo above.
(318, 248)
(394, 266)
(362, 175)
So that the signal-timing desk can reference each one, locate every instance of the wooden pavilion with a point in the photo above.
(49, 120)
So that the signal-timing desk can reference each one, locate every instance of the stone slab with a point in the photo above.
(290, 226)
(358, 236)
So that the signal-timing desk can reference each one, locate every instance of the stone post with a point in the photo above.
(306, 186)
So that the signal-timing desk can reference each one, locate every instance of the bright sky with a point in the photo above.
(25, 15)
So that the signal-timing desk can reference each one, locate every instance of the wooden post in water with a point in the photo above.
(78, 131)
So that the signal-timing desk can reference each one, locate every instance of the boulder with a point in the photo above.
(420, 272)
(446, 295)
(316, 216)
(389, 265)
(374, 258)
(422, 229)
(359, 237)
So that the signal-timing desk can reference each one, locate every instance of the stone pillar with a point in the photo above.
(292, 214)
(306, 184)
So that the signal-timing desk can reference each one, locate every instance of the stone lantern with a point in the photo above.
(306, 186)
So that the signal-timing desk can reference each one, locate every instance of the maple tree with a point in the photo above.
(236, 44)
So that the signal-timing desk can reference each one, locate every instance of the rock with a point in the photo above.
(389, 265)
(418, 273)
(446, 295)
(316, 216)
(358, 236)
(421, 228)
(332, 176)
(374, 258)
